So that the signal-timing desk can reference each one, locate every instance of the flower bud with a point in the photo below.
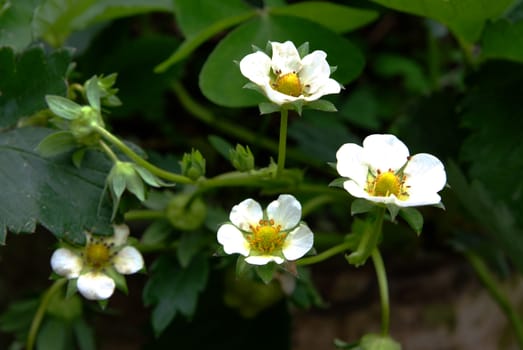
(185, 212)
(84, 126)
(193, 165)
(242, 158)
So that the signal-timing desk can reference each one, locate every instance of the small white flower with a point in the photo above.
(286, 78)
(274, 235)
(91, 263)
(382, 171)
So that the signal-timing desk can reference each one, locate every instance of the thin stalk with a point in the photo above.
(164, 174)
(340, 248)
(282, 145)
(381, 275)
(144, 214)
(40, 312)
(109, 152)
(491, 284)
(203, 114)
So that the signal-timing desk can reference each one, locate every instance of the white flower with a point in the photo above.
(286, 78)
(382, 171)
(274, 235)
(92, 263)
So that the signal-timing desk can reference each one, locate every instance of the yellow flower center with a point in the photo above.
(387, 183)
(266, 237)
(97, 255)
(288, 84)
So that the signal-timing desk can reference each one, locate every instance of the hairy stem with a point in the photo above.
(164, 174)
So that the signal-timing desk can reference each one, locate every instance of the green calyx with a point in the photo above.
(84, 126)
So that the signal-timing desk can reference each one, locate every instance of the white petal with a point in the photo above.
(128, 260)
(256, 67)
(416, 201)
(233, 240)
(285, 58)
(95, 286)
(355, 189)
(121, 232)
(425, 174)
(245, 214)
(277, 97)
(66, 263)
(285, 211)
(298, 243)
(350, 163)
(263, 259)
(315, 71)
(384, 152)
(330, 86)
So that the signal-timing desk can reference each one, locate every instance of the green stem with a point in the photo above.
(381, 275)
(40, 312)
(489, 281)
(233, 129)
(109, 152)
(144, 214)
(164, 174)
(282, 146)
(340, 248)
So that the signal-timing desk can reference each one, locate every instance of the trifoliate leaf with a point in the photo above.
(52, 192)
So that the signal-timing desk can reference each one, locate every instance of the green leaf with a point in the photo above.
(390, 65)
(266, 272)
(195, 16)
(465, 18)
(26, 78)
(360, 206)
(338, 18)
(55, 20)
(202, 20)
(15, 23)
(221, 145)
(63, 107)
(268, 108)
(361, 108)
(503, 40)
(16, 319)
(322, 105)
(54, 334)
(413, 217)
(49, 192)
(156, 233)
(172, 289)
(56, 143)
(219, 67)
(190, 244)
(84, 335)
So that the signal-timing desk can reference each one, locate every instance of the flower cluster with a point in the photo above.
(276, 234)
(94, 264)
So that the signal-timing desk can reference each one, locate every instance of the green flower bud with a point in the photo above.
(84, 126)
(193, 165)
(242, 158)
(185, 212)
(378, 342)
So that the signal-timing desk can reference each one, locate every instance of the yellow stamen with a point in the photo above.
(288, 84)
(97, 255)
(387, 183)
(266, 237)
